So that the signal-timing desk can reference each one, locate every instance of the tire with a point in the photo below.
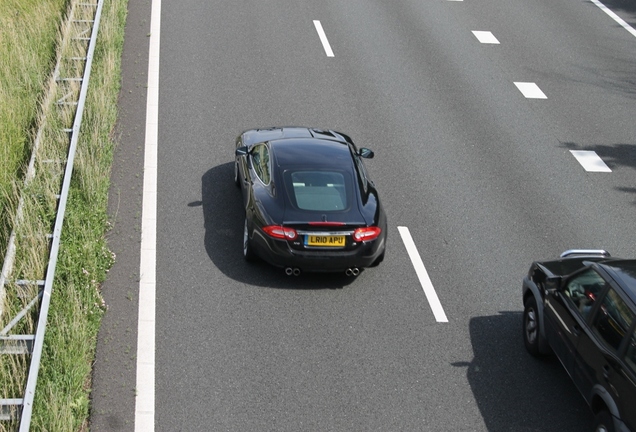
(248, 252)
(531, 327)
(237, 182)
(604, 422)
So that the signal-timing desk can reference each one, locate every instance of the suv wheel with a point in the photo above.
(531, 329)
(603, 422)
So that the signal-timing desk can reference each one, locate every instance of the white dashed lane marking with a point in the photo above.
(485, 37)
(323, 38)
(590, 161)
(422, 275)
(530, 90)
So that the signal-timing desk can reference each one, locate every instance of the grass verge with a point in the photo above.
(63, 390)
(28, 35)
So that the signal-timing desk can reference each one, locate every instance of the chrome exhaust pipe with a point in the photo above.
(289, 271)
(296, 271)
(348, 272)
(355, 271)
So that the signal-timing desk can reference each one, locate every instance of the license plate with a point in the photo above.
(326, 240)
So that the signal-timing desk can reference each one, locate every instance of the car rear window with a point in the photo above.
(318, 190)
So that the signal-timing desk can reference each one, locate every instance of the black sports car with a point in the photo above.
(309, 203)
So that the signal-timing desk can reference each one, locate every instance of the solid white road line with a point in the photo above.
(145, 386)
(590, 161)
(485, 37)
(323, 38)
(422, 275)
(615, 17)
(530, 90)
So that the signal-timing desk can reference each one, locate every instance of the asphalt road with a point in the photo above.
(482, 176)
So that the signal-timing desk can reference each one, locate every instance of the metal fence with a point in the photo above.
(67, 95)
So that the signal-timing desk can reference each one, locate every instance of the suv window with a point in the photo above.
(260, 162)
(630, 355)
(583, 289)
(612, 319)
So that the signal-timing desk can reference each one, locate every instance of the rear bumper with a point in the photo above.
(279, 254)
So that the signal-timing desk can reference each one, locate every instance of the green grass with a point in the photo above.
(63, 391)
(28, 35)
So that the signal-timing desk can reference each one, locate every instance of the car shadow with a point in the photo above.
(224, 215)
(515, 391)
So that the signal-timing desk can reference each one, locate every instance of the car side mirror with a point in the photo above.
(553, 284)
(366, 153)
(241, 151)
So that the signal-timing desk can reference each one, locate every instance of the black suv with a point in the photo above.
(582, 307)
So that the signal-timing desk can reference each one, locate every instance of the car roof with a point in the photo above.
(311, 153)
(623, 271)
(254, 136)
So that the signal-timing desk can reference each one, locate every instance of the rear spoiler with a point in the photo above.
(600, 253)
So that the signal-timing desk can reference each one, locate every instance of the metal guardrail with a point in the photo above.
(80, 40)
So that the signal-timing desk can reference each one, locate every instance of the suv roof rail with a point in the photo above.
(585, 252)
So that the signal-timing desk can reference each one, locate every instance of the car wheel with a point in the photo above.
(236, 175)
(248, 253)
(603, 422)
(531, 327)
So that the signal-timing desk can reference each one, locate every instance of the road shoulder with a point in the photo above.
(114, 373)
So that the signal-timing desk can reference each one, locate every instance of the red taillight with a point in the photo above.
(280, 232)
(366, 233)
